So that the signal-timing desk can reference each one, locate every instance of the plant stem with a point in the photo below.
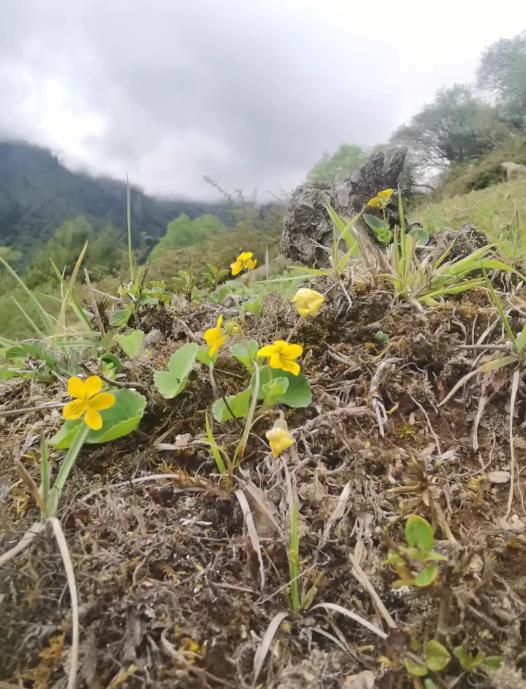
(66, 467)
(240, 450)
(294, 546)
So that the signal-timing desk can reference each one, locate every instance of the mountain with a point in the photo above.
(38, 193)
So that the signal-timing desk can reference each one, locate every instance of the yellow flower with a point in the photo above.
(279, 437)
(381, 199)
(89, 401)
(245, 261)
(307, 301)
(281, 355)
(215, 338)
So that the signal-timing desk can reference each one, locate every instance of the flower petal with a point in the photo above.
(92, 385)
(104, 400)
(93, 420)
(74, 410)
(236, 267)
(267, 350)
(75, 387)
(293, 351)
(276, 361)
(290, 366)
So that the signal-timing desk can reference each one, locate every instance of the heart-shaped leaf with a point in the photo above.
(426, 576)
(237, 404)
(172, 382)
(437, 656)
(131, 342)
(418, 532)
(415, 669)
(121, 317)
(245, 352)
(117, 421)
(298, 393)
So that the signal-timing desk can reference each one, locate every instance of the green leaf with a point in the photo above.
(466, 660)
(239, 405)
(420, 236)
(374, 222)
(203, 357)
(245, 353)
(131, 342)
(274, 389)
(429, 684)
(426, 576)
(379, 228)
(415, 669)
(418, 532)
(381, 337)
(492, 662)
(172, 382)
(297, 395)
(121, 317)
(437, 656)
(117, 421)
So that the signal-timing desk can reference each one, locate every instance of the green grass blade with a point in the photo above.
(503, 316)
(128, 220)
(214, 448)
(44, 470)
(28, 318)
(46, 320)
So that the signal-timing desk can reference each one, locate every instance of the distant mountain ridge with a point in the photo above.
(38, 193)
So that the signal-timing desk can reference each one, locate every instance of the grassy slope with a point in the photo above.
(489, 209)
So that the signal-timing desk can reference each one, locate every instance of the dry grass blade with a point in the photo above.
(252, 532)
(458, 385)
(357, 618)
(266, 641)
(23, 543)
(513, 463)
(337, 513)
(70, 575)
(364, 580)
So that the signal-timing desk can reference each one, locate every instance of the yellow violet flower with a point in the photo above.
(307, 301)
(89, 401)
(281, 355)
(381, 199)
(279, 437)
(245, 261)
(215, 338)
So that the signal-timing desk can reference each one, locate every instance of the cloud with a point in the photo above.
(250, 93)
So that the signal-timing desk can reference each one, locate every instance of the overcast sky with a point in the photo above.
(250, 92)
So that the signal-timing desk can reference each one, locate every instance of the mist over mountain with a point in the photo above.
(38, 193)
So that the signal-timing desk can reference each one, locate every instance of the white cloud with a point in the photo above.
(249, 93)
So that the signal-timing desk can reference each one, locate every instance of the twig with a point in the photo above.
(70, 575)
(27, 410)
(115, 383)
(143, 479)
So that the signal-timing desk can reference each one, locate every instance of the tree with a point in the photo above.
(502, 71)
(339, 165)
(183, 232)
(456, 128)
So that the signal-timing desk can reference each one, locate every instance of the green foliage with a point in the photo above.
(297, 394)
(131, 342)
(183, 232)
(172, 382)
(415, 563)
(437, 658)
(339, 165)
(379, 227)
(246, 353)
(476, 661)
(238, 405)
(119, 420)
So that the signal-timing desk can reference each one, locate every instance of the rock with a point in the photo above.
(307, 228)
(463, 242)
(514, 171)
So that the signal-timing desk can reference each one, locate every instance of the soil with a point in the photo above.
(168, 579)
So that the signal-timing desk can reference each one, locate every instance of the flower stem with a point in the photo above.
(65, 468)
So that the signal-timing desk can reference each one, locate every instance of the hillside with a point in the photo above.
(491, 210)
(38, 193)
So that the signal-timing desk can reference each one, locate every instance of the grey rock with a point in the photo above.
(307, 228)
